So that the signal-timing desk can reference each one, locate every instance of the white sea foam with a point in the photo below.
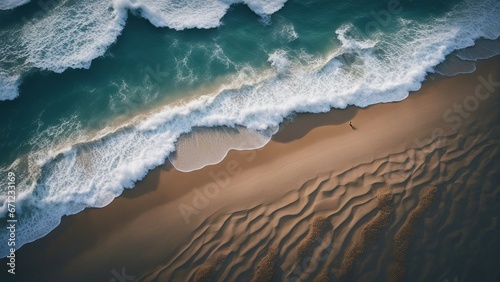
(288, 31)
(11, 4)
(91, 174)
(72, 34)
(9, 87)
(196, 14)
(279, 61)
(10, 70)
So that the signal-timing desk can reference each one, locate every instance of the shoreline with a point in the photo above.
(147, 225)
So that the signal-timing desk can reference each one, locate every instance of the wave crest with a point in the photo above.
(92, 173)
(71, 35)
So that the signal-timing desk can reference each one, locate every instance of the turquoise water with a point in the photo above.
(158, 64)
(149, 60)
(95, 93)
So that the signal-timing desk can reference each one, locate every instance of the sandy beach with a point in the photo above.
(410, 193)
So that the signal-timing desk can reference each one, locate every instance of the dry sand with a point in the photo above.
(174, 224)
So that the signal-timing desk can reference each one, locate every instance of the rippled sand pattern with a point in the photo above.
(394, 217)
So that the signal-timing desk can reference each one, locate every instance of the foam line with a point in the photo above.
(384, 69)
(74, 33)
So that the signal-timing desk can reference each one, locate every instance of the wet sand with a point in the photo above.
(256, 207)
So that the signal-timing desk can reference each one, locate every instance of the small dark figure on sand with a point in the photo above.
(350, 124)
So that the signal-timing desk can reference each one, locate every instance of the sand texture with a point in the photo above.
(411, 194)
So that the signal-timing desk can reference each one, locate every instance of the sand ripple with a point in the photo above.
(369, 222)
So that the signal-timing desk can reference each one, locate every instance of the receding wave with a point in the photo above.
(463, 60)
(206, 146)
(381, 69)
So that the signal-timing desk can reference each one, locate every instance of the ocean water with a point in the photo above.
(94, 94)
